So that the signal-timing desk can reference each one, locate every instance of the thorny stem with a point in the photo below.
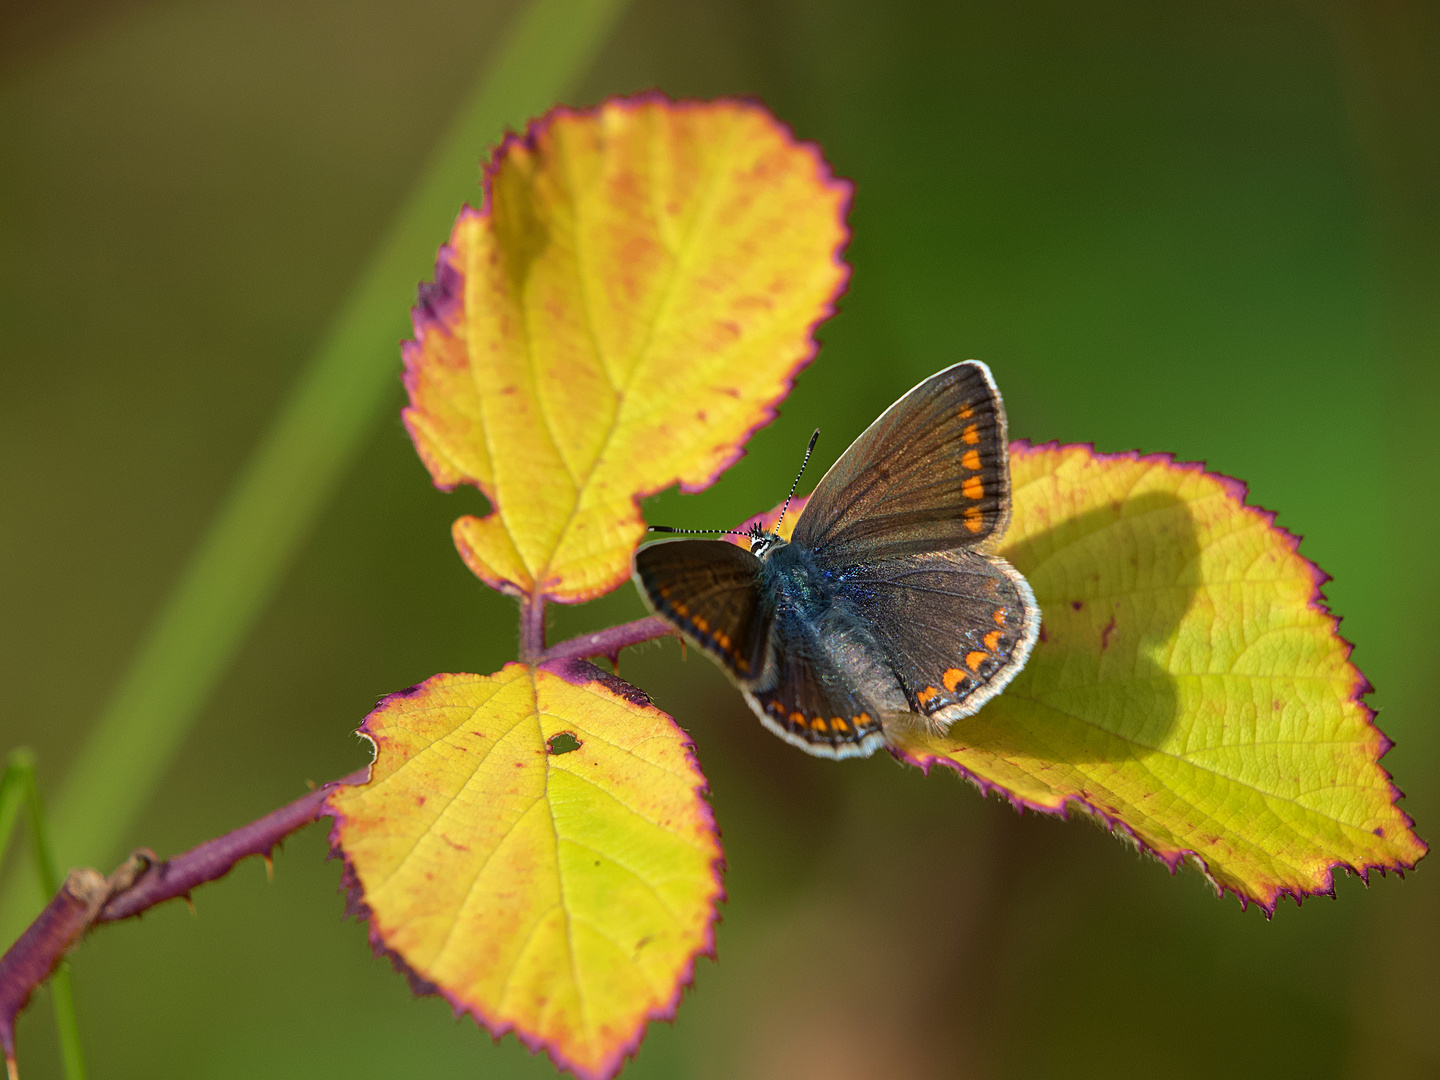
(18, 788)
(87, 898)
(608, 642)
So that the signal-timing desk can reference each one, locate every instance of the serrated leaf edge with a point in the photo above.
(356, 907)
(439, 298)
(1173, 859)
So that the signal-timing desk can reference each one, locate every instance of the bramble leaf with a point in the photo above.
(1189, 688)
(631, 302)
(539, 852)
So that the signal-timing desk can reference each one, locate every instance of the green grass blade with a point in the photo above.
(12, 795)
(66, 1026)
(23, 763)
(350, 382)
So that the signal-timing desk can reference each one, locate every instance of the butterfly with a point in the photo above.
(887, 605)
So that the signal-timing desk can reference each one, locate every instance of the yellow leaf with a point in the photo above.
(632, 301)
(559, 890)
(1188, 689)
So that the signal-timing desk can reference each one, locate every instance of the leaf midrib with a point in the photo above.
(682, 258)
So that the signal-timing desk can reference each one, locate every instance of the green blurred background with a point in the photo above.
(1208, 228)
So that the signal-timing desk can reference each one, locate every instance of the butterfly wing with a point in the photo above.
(708, 590)
(813, 698)
(955, 626)
(931, 474)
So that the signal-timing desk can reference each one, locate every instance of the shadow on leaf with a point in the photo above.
(1113, 585)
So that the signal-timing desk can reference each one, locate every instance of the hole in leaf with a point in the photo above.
(563, 743)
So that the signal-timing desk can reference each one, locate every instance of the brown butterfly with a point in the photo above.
(886, 600)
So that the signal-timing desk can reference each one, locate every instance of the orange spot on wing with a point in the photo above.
(839, 724)
(818, 724)
(863, 720)
(966, 411)
(953, 678)
(992, 640)
(971, 460)
(973, 488)
(741, 664)
(999, 616)
(970, 435)
(973, 519)
(924, 696)
(797, 719)
(973, 660)
(701, 623)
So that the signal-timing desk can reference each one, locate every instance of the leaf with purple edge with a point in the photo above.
(1189, 688)
(631, 302)
(536, 847)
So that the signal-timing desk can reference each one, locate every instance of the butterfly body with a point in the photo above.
(886, 606)
(817, 636)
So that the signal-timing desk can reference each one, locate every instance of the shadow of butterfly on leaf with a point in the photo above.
(1114, 584)
(885, 620)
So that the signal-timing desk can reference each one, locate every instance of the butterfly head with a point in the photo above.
(762, 542)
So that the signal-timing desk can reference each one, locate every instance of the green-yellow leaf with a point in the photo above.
(540, 852)
(631, 302)
(1189, 688)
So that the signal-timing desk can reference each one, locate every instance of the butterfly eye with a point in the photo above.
(760, 543)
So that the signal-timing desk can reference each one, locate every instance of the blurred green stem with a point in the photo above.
(350, 382)
(17, 788)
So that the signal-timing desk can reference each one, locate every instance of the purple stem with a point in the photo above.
(532, 628)
(87, 898)
(34, 955)
(213, 859)
(608, 642)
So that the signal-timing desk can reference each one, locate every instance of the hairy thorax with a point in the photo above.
(815, 622)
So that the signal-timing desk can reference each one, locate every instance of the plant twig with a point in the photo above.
(30, 960)
(62, 997)
(18, 789)
(174, 878)
(532, 628)
(87, 898)
(608, 642)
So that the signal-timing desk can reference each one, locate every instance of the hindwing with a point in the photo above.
(955, 626)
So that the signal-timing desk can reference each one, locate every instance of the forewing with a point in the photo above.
(707, 589)
(931, 474)
(955, 626)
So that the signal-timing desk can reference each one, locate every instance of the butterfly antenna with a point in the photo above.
(808, 451)
(694, 532)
